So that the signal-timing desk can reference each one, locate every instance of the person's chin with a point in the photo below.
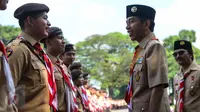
(46, 34)
(180, 63)
(132, 38)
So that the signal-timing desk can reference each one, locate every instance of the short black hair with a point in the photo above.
(152, 23)
(32, 15)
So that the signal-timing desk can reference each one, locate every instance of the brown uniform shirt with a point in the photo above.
(79, 100)
(175, 82)
(4, 106)
(59, 84)
(30, 76)
(192, 89)
(149, 71)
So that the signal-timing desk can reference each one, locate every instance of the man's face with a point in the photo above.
(3, 4)
(79, 81)
(182, 57)
(85, 81)
(41, 25)
(68, 57)
(135, 28)
(58, 44)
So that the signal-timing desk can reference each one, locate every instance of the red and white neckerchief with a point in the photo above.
(9, 81)
(181, 91)
(51, 79)
(129, 90)
(85, 97)
(69, 82)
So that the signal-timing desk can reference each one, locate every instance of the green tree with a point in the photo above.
(189, 35)
(107, 58)
(8, 32)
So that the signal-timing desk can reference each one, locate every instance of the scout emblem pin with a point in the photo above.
(182, 43)
(139, 61)
(137, 77)
(192, 78)
(134, 9)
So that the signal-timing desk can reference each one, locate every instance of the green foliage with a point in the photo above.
(189, 35)
(107, 58)
(8, 32)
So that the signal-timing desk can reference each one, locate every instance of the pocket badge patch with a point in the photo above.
(139, 61)
(137, 77)
(9, 51)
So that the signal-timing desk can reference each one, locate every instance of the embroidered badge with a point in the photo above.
(137, 77)
(139, 61)
(134, 9)
(192, 92)
(9, 51)
(192, 78)
(182, 43)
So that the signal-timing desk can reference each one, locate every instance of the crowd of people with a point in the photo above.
(46, 79)
(98, 99)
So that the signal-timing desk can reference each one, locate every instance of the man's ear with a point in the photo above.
(147, 24)
(30, 21)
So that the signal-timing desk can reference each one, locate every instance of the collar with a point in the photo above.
(193, 67)
(28, 38)
(145, 41)
(53, 58)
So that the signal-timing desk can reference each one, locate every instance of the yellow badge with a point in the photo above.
(134, 9)
(137, 77)
(9, 51)
(182, 43)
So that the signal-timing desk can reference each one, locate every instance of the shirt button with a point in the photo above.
(192, 87)
(142, 109)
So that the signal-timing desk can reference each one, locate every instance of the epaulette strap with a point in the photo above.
(32, 50)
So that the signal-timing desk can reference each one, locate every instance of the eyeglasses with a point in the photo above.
(178, 53)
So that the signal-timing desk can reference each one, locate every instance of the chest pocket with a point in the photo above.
(192, 86)
(138, 76)
(39, 71)
(59, 79)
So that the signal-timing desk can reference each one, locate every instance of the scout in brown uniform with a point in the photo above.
(30, 66)
(149, 67)
(68, 56)
(188, 97)
(77, 78)
(55, 45)
(7, 89)
(85, 101)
